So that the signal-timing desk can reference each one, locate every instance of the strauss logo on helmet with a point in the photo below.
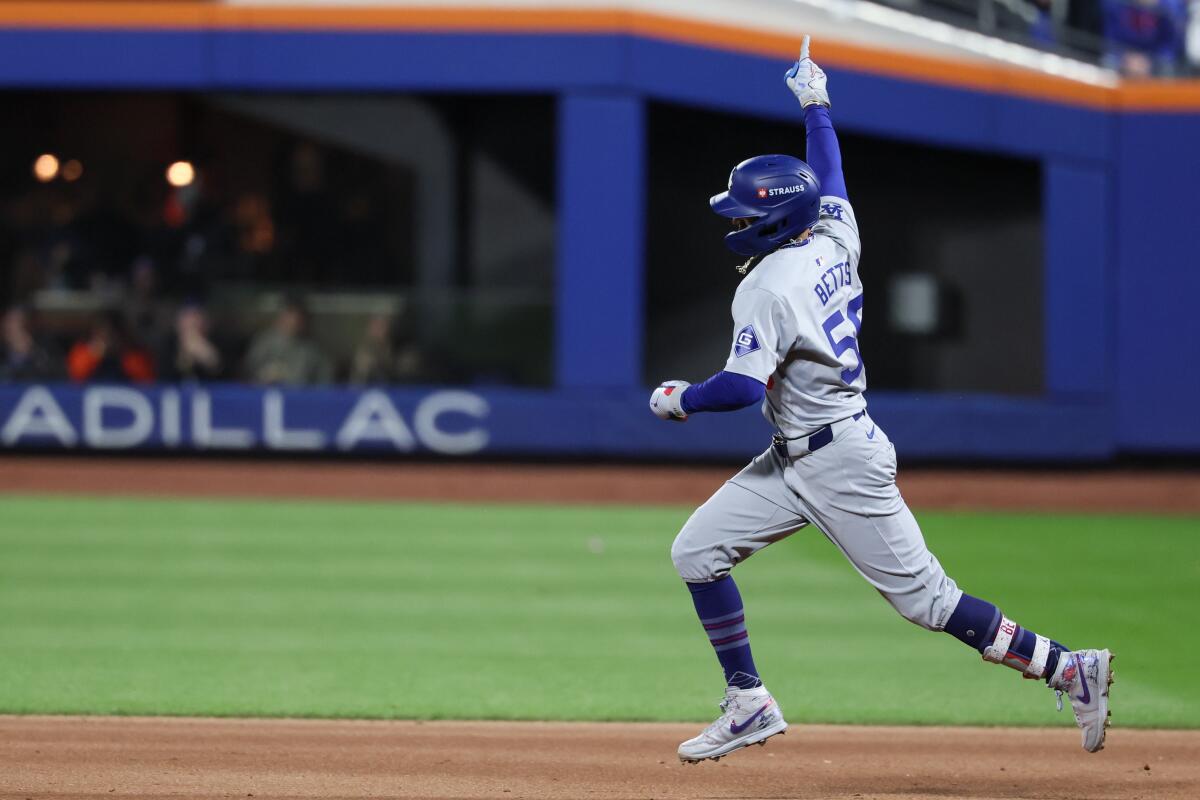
(770, 199)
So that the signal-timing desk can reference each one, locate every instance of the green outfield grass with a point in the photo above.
(526, 612)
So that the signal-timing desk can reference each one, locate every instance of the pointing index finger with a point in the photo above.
(804, 48)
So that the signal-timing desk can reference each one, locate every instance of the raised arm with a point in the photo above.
(807, 82)
(824, 155)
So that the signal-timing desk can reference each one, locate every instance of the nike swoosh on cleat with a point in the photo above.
(735, 729)
(1087, 695)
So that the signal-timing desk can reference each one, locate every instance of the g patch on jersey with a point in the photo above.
(745, 342)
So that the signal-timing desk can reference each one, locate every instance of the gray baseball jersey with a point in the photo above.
(796, 322)
(796, 319)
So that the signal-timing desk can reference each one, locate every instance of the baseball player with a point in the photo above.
(796, 319)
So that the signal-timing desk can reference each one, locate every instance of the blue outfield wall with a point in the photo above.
(1157, 291)
(501, 422)
(1122, 238)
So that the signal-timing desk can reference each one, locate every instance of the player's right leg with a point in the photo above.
(1083, 675)
(890, 552)
(848, 489)
(745, 515)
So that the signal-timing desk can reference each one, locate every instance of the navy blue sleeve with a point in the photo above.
(824, 155)
(725, 391)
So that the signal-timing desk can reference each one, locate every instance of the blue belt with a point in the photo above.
(815, 440)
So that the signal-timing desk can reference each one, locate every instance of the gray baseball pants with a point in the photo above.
(847, 489)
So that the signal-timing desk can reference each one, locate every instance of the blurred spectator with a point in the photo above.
(253, 224)
(381, 358)
(22, 357)
(283, 353)
(190, 353)
(1145, 37)
(147, 317)
(106, 354)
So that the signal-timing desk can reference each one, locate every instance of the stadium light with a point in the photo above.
(45, 168)
(180, 174)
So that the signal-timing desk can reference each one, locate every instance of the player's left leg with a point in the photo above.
(848, 489)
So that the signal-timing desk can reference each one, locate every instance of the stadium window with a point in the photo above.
(428, 220)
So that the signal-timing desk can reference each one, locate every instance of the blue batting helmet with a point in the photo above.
(779, 195)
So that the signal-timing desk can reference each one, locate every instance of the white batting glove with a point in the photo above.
(807, 80)
(666, 401)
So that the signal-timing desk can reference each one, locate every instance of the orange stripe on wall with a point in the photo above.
(1159, 95)
(106, 14)
(1182, 95)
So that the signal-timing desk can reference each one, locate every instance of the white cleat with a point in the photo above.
(1085, 675)
(748, 716)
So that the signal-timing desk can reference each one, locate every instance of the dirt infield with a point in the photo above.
(61, 757)
(1040, 490)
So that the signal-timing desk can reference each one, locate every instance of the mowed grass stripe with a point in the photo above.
(538, 612)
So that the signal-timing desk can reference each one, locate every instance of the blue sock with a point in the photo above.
(719, 606)
(975, 622)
